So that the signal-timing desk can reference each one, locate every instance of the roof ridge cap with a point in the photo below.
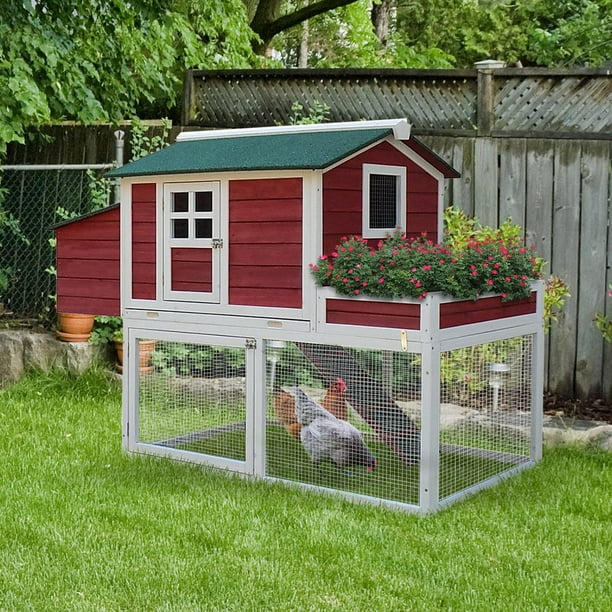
(400, 127)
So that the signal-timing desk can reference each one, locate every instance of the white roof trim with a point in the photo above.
(400, 127)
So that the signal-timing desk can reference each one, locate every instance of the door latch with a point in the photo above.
(217, 243)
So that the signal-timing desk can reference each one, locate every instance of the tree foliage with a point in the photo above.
(551, 33)
(101, 60)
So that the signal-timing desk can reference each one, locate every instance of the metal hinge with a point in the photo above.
(250, 343)
(217, 243)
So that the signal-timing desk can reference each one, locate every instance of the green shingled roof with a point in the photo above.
(291, 151)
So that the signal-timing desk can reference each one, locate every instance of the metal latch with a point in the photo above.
(217, 243)
(250, 343)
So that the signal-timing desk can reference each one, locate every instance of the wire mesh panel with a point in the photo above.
(344, 419)
(192, 397)
(35, 200)
(485, 412)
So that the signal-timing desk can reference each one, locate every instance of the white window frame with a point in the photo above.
(191, 215)
(400, 199)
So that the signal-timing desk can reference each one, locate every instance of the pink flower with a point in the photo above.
(356, 291)
(489, 282)
(381, 280)
(334, 254)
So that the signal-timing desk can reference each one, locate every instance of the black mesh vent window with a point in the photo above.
(383, 201)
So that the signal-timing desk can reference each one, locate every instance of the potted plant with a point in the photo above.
(109, 329)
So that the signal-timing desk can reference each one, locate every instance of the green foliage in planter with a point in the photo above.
(464, 266)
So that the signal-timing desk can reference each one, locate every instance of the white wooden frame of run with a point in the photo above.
(252, 334)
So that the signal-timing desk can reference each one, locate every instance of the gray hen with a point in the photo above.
(326, 437)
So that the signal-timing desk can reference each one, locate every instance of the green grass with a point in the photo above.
(393, 480)
(84, 526)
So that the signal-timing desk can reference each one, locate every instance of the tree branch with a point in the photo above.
(268, 28)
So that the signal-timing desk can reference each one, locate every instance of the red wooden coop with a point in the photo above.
(209, 256)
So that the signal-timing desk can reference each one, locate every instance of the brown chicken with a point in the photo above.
(334, 402)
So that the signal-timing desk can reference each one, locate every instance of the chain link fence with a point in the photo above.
(32, 200)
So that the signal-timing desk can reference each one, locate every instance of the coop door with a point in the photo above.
(193, 401)
(192, 242)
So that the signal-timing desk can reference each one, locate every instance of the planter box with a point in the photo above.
(437, 313)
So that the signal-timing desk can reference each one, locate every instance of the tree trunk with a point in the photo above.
(381, 19)
(303, 48)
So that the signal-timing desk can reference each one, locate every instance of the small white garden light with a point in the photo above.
(498, 375)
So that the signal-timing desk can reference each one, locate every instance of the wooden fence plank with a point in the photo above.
(566, 235)
(592, 269)
(486, 181)
(512, 180)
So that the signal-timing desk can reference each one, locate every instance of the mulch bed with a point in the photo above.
(594, 410)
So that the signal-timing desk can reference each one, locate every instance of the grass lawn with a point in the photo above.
(84, 526)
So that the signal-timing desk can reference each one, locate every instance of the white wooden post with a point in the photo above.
(429, 483)
(537, 381)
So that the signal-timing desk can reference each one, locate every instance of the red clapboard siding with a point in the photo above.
(265, 242)
(84, 268)
(279, 298)
(286, 277)
(268, 255)
(373, 314)
(280, 232)
(144, 259)
(492, 308)
(88, 265)
(191, 269)
(146, 192)
(102, 230)
(74, 286)
(89, 305)
(259, 209)
(88, 249)
(266, 189)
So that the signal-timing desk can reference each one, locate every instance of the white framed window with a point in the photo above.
(384, 200)
(191, 213)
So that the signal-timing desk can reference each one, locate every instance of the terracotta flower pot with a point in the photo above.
(145, 348)
(73, 327)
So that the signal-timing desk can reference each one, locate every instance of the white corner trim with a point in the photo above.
(400, 127)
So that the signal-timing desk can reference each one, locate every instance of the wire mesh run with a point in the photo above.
(485, 415)
(193, 398)
(362, 436)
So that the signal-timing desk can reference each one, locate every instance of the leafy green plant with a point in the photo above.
(107, 329)
(317, 113)
(9, 228)
(141, 143)
(181, 359)
(604, 322)
(556, 291)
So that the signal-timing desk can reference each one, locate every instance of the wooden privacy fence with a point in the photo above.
(531, 144)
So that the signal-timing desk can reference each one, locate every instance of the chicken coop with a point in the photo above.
(256, 370)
